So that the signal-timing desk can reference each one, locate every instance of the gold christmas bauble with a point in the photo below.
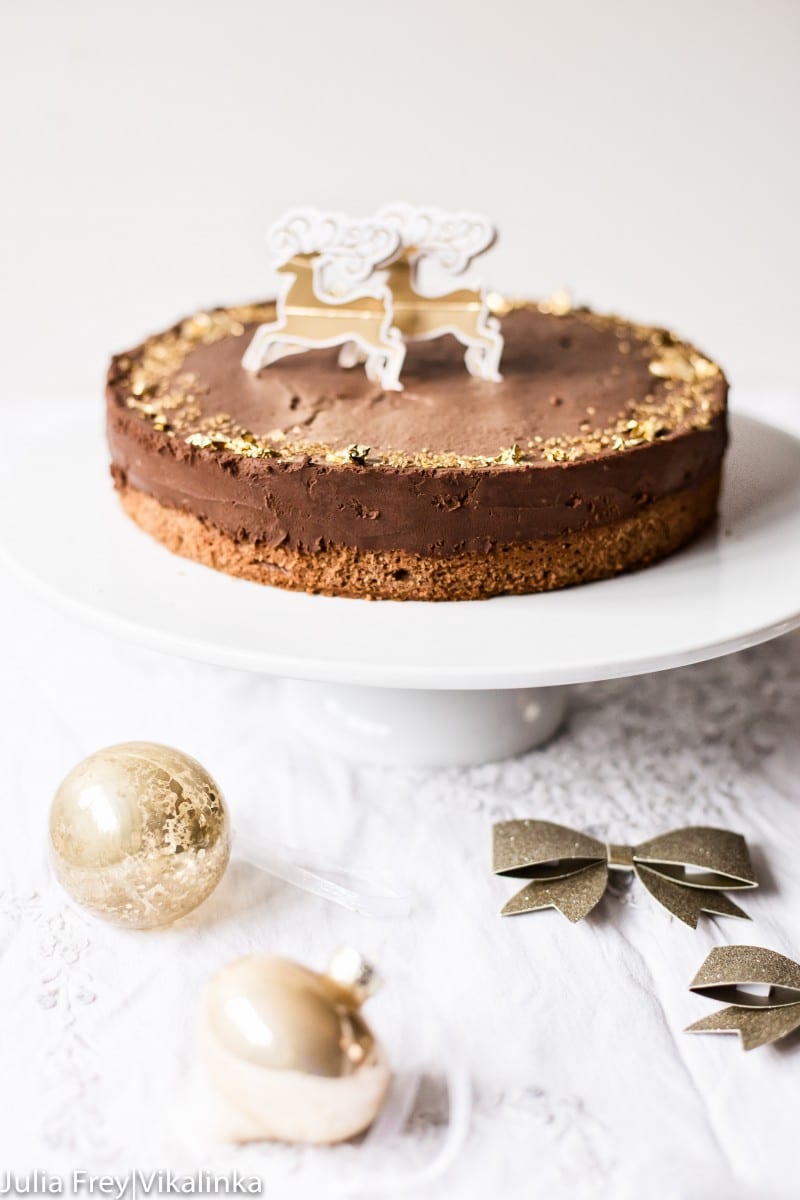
(287, 1051)
(139, 834)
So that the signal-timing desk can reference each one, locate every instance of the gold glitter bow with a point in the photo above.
(758, 1019)
(686, 870)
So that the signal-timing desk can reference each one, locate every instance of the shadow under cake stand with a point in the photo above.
(418, 683)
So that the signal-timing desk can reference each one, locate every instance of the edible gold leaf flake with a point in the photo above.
(680, 363)
(498, 305)
(558, 304)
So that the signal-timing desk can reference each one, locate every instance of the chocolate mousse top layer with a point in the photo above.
(574, 385)
(595, 416)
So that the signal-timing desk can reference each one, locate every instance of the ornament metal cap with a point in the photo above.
(353, 974)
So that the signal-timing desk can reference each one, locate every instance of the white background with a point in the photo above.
(644, 154)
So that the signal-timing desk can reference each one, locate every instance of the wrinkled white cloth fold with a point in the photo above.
(584, 1084)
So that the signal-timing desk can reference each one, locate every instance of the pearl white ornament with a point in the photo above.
(288, 1053)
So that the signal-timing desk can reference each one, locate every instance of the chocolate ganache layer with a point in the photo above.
(308, 475)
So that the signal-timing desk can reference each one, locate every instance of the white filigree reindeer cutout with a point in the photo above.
(449, 242)
(333, 294)
(358, 284)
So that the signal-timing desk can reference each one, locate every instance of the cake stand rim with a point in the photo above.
(414, 675)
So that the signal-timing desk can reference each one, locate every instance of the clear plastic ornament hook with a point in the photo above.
(322, 877)
(395, 1115)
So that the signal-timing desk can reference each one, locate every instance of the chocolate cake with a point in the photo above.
(600, 451)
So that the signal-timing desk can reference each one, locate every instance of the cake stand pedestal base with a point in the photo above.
(405, 727)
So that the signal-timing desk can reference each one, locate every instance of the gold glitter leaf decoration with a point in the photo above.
(758, 1019)
(687, 871)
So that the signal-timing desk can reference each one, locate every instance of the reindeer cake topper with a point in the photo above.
(373, 285)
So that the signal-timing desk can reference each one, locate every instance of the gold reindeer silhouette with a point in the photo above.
(305, 321)
(463, 313)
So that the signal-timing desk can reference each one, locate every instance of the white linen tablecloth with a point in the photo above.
(584, 1084)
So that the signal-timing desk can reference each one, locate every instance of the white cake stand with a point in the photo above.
(416, 683)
